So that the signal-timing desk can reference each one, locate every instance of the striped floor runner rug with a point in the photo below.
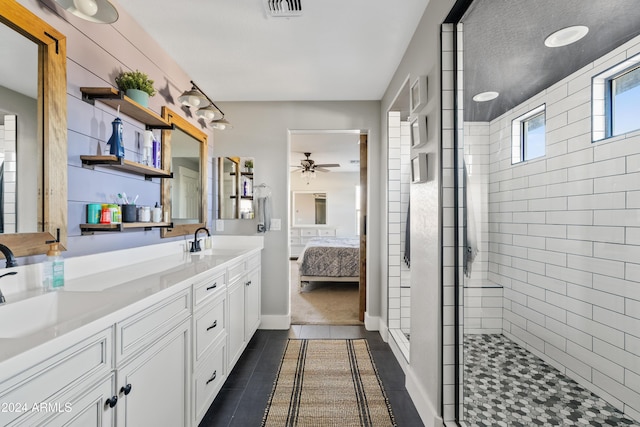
(328, 383)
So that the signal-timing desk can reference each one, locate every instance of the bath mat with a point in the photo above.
(328, 383)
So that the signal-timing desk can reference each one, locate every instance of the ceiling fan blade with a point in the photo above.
(317, 169)
(328, 165)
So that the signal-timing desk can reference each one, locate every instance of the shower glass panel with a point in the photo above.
(399, 253)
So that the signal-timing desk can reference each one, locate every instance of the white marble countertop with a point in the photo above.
(92, 302)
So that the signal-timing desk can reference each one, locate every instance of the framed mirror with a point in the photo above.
(309, 207)
(235, 188)
(184, 197)
(33, 113)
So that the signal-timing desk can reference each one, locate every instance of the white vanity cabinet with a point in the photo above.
(209, 355)
(159, 359)
(57, 387)
(153, 364)
(244, 304)
(153, 388)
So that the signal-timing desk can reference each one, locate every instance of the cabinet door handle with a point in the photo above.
(248, 283)
(215, 323)
(213, 377)
(126, 389)
(111, 402)
(215, 285)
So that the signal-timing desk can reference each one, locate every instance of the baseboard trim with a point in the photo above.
(421, 400)
(372, 323)
(272, 322)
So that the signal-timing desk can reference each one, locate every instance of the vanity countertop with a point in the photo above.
(35, 323)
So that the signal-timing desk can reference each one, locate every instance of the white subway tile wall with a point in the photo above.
(399, 166)
(561, 234)
(448, 232)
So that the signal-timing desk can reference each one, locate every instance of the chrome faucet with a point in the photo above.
(11, 260)
(2, 298)
(195, 245)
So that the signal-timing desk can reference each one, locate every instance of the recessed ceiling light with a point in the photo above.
(566, 36)
(485, 96)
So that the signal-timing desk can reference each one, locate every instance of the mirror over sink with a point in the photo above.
(184, 153)
(33, 141)
(235, 188)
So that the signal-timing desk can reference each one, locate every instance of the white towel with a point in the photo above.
(263, 211)
(471, 238)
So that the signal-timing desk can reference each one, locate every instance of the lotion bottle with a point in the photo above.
(53, 268)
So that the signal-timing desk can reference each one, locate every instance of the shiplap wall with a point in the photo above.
(95, 56)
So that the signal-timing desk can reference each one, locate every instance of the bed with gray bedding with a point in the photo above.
(330, 259)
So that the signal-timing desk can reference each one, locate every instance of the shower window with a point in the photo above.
(625, 102)
(528, 135)
(616, 100)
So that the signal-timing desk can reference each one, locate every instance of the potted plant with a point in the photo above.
(248, 164)
(136, 85)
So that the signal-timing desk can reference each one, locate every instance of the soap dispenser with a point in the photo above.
(53, 268)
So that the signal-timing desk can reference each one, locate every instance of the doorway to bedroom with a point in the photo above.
(327, 254)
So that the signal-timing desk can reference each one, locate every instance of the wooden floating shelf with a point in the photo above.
(115, 98)
(92, 228)
(125, 165)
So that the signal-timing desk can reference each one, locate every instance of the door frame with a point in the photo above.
(364, 196)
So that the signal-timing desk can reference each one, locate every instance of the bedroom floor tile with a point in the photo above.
(245, 394)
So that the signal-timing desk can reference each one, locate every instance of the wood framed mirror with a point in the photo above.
(184, 197)
(46, 163)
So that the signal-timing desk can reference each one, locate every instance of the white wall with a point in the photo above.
(341, 197)
(424, 373)
(564, 243)
(261, 130)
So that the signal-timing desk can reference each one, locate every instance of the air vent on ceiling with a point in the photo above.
(354, 162)
(284, 8)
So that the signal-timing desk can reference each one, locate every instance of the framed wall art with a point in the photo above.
(418, 131)
(418, 94)
(419, 168)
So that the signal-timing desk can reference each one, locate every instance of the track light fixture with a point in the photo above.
(98, 11)
(206, 108)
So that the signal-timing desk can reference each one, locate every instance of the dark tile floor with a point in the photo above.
(244, 396)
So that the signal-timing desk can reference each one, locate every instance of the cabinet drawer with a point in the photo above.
(235, 271)
(295, 232)
(144, 328)
(308, 232)
(209, 288)
(208, 380)
(254, 261)
(43, 382)
(326, 232)
(209, 325)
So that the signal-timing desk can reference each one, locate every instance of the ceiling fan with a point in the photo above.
(308, 165)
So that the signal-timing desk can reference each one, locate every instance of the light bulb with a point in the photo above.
(86, 7)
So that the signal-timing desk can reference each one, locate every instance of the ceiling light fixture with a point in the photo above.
(209, 113)
(485, 96)
(193, 98)
(221, 124)
(98, 11)
(206, 108)
(566, 36)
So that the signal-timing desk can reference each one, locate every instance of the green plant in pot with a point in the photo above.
(248, 164)
(136, 85)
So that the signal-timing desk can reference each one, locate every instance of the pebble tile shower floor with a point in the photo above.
(506, 385)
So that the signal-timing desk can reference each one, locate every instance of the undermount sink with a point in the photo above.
(24, 317)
